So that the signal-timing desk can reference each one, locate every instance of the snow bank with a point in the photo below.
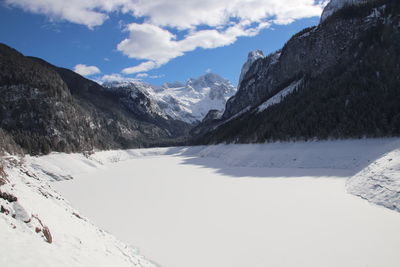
(39, 228)
(375, 163)
(352, 155)
(375, 178)
(379, 182)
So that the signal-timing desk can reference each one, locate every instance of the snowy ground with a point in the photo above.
(282, 204)
(39, 228)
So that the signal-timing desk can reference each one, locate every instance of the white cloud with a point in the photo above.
(75, 11)
(173, 13)
(145, 66)
(146, 75)
(191, 13)
(85, 70)
(207, 24)
(159, 46)
(156, 76)
(142, 75)
(115, 77)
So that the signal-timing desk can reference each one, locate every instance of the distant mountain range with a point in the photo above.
(189, 102)
(44, 108)
(340, 79)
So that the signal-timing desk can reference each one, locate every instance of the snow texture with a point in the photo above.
(380, 181)
(243, 205)
(190, 207)
(360, 158)
(40, 228)
(279, 96)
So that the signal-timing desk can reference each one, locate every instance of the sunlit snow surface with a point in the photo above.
(282, 204)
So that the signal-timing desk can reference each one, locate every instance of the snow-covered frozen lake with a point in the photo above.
(185, 211)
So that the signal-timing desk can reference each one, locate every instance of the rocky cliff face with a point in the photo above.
(251, 58)
(335, 5)
(44, 108)
(338, 68)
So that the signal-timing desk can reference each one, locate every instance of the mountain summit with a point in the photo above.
(251, 58)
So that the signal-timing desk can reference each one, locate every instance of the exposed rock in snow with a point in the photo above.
(188, 102)
(335, 5)
(251, 58)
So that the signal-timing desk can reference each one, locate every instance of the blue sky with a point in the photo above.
(158, 42)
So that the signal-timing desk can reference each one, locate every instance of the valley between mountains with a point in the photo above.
(298, 165)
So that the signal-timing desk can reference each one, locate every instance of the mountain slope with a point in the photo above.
(45, 108)
(347, 80)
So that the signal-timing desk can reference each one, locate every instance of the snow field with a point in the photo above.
(242, 205)
(280, 204)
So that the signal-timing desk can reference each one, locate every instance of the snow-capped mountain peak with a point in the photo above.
(206, 80)
(251, 58)
(189, 102)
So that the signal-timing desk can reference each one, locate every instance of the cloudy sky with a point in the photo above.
(152, 40)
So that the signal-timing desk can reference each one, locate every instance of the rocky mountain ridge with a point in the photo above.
(346, 75)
